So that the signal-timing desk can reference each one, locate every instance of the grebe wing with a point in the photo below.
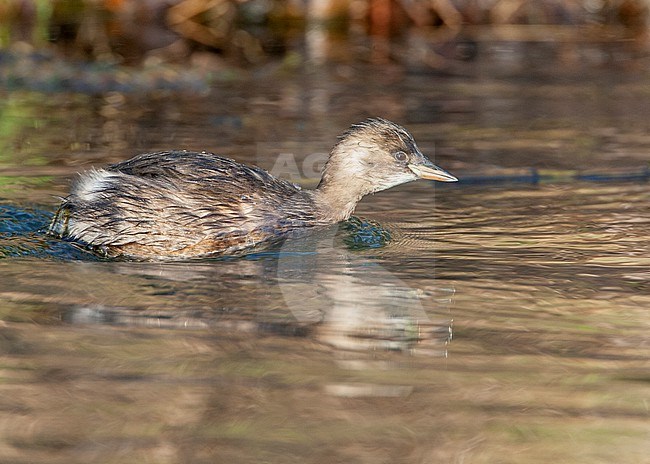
(201, 169)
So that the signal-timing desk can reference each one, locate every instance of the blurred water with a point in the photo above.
(473, 324)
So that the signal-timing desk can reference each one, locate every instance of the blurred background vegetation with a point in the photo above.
(214, 34)
(120, 50)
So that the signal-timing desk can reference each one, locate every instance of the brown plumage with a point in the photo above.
(180, 204)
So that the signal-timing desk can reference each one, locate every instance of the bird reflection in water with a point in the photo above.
(361, 306)
(322, 285)
(326, 281)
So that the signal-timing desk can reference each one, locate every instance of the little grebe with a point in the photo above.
(180, 204)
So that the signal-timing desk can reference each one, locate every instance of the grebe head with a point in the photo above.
(375, 155)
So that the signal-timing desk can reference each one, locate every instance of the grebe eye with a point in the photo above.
(400, 156)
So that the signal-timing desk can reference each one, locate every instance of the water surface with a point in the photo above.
(501, 323)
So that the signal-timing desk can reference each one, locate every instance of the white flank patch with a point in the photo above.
(92, 183)
(80, 230)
